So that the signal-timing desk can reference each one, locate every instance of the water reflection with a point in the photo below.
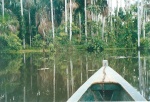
(44, 77)
(144, 85)
(54, 82)
(67, 73)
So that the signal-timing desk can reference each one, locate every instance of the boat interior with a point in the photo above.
(106, 92)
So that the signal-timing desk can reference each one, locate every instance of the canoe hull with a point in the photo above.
(106, 76)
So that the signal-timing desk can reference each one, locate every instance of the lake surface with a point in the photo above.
(54, 77)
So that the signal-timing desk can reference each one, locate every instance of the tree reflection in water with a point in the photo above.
(44, 77)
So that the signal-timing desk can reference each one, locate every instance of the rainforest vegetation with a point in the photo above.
(83, 24)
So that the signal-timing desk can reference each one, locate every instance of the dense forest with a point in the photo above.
(85, 24)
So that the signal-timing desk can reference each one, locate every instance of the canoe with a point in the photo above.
(106, 85)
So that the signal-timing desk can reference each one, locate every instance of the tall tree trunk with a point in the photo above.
(103, 27)
(21, 5)
(66, 17)
(6, 98)
(139, 21)
(85, 20)
(111, 16)
(92, 10)
(143, 18)
(30, 27)
(10, 2)
(52, 18)
(110, 13)
(146, 16)
(117, 8)
(80, 25)
(3, 8)
(144, 23)
(24, 94)
(70, 20)
(96, 14)
(92, 20)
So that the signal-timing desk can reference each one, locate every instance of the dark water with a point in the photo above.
(54, 77)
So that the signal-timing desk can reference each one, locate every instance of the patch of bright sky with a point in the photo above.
(121, 3)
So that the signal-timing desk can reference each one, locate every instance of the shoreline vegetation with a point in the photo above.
(44, 26)
(72, 49)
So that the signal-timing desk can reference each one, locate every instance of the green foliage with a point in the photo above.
(95, 44)
(51, 47)
(121, 13)
(145, 43)
(8, 24)
(102, 5)
(10, 68)
(8, 33)
(62, 37)
(9, 42)
(147, 30)
(95, 26)
(37, 41)
(75, 29)
(124, 31)
(94, 8)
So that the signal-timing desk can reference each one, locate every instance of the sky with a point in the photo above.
(121, 3)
